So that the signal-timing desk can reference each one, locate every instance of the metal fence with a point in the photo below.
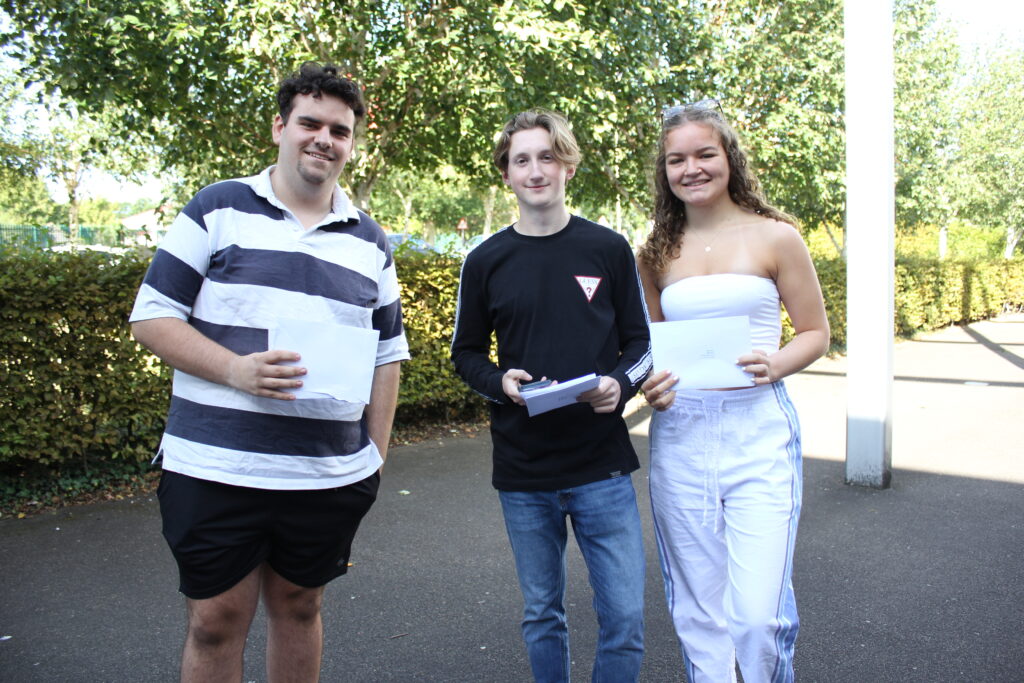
(49, 236)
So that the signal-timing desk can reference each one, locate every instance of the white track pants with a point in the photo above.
(725, 489)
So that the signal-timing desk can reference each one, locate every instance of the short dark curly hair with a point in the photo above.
(316, 80)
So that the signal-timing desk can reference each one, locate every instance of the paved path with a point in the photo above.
(921, 582)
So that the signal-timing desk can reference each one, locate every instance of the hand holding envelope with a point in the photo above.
(702, 353)
(558, 394)
(339, 359)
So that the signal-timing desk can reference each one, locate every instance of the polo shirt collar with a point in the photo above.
(342, 208)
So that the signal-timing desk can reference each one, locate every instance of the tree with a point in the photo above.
(777, 69)
(101, 212)
(66, 157)
(45, 137)
(433, 202)
(990, 169)
(197, 77)
(16, 159)
(24, 200)
(927, 62)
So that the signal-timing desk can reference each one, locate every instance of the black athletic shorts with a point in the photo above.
(218, 533)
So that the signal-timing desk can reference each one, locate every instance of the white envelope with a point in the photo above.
(339, 359)
(702, 353)
(557, 395)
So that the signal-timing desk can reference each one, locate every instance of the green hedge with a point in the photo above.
(930, 294)
(78, 392)
(430, 389)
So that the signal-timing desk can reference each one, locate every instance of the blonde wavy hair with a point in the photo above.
(666, 239)
(563, 143)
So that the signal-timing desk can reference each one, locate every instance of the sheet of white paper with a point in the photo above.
(339, 359)
(557, 395)
(702, 353)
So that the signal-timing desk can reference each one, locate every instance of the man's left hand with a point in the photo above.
(605, 398)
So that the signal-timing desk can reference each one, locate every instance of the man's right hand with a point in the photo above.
(510, 384)
(261, 375)
(185, 348)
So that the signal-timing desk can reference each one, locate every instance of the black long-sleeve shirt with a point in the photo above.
(561, 306)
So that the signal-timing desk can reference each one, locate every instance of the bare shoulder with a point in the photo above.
(764, 229)
(781, 237)
(777, 230)
(645, 269)
(776, 244)
(651, 279)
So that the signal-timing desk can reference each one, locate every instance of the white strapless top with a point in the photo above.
(727, 294)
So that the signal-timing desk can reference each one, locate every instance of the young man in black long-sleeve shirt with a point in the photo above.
(563, 298)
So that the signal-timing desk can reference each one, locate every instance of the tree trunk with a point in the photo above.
(407, 212)
(492, 194)
(943, 240)
(406, 201)
(1012, 238)
(618, 213)
(840, 246)
(361, 194)
(73, 218)
(72, 179)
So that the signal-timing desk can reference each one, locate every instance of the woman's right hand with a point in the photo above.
(658, 389)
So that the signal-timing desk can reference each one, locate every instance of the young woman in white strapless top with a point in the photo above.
(726, 465)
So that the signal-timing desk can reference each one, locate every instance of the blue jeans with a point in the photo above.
(606, 523)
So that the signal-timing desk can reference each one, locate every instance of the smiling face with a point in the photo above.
(696, 165)
(315, 142)
(534, 173)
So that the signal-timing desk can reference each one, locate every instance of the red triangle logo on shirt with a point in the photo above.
(589, 285)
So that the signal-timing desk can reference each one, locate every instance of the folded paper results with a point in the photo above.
(339, 359)
(557, 395)
(702, 353)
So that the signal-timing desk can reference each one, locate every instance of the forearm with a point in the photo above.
(635, 359)
(471, 356)
(184, 348)
(634, 365)
(802, 350)
(634, 329)
(380, 412)
(482, 376)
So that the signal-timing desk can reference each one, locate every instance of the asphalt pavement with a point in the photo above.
(923, 581)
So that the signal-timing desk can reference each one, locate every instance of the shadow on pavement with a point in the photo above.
(921, 582)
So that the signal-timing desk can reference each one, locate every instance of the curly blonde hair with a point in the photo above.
(666, 239)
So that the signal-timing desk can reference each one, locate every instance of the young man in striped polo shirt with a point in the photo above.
(262, 493)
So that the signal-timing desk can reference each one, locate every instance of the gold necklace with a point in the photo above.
(707, 245)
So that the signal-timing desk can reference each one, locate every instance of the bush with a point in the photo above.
(965, 242)
(81, 396)
(77, 388)
(430, 389)
(82, 402)
(930, 294)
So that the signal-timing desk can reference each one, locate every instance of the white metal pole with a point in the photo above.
(870, 221)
